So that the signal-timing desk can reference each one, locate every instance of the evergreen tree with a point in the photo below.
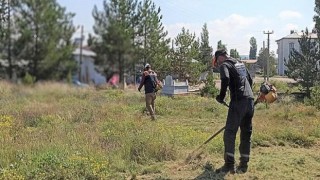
(115, 28)
(253, 48)
(185, 54)
(316, 17)
(3, 18)
(302, 64)
(205, 48)
(5, 44)
(153, 43)
(45, 30)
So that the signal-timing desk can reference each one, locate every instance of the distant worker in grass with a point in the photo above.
(234, 74)
(151, 86)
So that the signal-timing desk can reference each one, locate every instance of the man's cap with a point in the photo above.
(147, 65)
(220, 52)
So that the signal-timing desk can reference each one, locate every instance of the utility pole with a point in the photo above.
(145, 45)
(268, 33)
(80, 56)
(264, 62)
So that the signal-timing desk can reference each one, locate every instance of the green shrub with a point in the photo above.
(209, 89)
(316, 132)
(28, 79)
(69, 77)
(315, 97)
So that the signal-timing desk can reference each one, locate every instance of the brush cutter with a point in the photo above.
(196, 153)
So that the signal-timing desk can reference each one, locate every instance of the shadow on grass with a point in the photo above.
(210, 173)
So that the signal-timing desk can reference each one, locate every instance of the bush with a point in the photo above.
(28, 79)
(209, 89)
(315, 97)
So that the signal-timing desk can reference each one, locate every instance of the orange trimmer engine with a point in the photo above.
(267, 93)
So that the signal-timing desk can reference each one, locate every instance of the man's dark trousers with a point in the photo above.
(239, 115)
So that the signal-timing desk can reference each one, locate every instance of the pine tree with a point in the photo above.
(45, 30)
(115, 27)
(316, 17)
(302, 63)
(187, 50)
(3, 18)
(5, 35)
(153, 39)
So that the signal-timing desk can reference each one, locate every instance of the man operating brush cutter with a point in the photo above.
(234, 74)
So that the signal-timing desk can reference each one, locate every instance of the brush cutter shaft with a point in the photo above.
(214, 135)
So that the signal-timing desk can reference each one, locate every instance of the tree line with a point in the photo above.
(36, 40)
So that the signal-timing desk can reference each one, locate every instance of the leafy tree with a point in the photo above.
(262, 62)
(302, 63)
(115, 30)
(205, 48)
(234, 53)
(253, 48)
(187, 50)
(272, 64)
(45, 30)
(263, 54)
(91, 40)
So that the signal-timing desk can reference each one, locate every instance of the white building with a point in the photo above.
(285, 46)
(88, 72)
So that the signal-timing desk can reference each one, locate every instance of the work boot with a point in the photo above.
(242, 168)
(227, 168)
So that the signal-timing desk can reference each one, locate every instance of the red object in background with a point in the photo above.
(114, 80)
(214, 62)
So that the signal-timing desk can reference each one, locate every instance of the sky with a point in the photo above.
(233, 22)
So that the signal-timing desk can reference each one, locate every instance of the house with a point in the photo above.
(252, 66)
(88, 72)
(286, 45)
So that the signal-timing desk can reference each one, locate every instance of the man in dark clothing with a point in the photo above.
(149, 81)
(234, 74)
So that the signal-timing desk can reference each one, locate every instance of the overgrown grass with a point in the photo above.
(54, 131)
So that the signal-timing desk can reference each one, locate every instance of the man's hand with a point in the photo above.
(218, 98)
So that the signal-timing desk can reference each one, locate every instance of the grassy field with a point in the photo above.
(54, 131)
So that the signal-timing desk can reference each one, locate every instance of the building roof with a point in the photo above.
(296, 35)
(85, 52)
(250, 61)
